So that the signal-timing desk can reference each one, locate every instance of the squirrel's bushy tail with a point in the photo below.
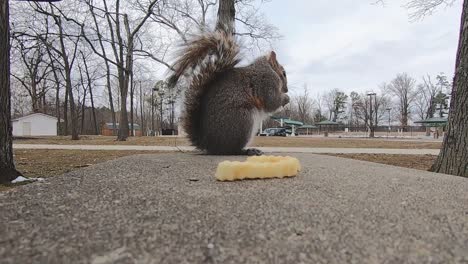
(202, 59)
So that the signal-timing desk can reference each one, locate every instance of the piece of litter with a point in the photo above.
(24, 179)
(83, 165)
(20, 179)
(193, 179)
(210, 246)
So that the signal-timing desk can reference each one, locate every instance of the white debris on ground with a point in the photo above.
(23, 179)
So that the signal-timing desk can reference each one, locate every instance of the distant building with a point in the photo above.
(36, 124)
(108, 129)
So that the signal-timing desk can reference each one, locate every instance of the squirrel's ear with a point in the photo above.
(273, 54)
(272, 58)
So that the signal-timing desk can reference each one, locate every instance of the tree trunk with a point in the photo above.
(161, 115)
(123, 123)
(74, 119)
(7, 165)
(142, 126)
(34, 99)
(226, 16)
(453, 157)
(93, 109)
(68, 82)
(131, 105)
(83, 114)
(57, 105)
(44, 102)
(123, 76)
(108, 73)
(90, 88)
(68, 85)
(111, 101)
(65, 113)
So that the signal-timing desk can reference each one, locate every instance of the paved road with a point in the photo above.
(265, 149)
(168, 208)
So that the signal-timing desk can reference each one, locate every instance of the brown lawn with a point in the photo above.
(315, 142)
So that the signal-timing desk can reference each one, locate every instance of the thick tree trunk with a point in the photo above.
(83, 114)
(142, 126)
(74, 119)
(43, 102)
(131, 106)
(111, 101)
(57, 104)
(93, 109)
(123, 123)
(7, 165)
(65, 113)
(34, 97)
(453, 157)
(90, 89)
(68, 82)
(226, 16)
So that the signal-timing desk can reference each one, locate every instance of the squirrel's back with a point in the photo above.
(203, 58)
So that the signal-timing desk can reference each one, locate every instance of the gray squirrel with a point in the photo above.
(225, 104)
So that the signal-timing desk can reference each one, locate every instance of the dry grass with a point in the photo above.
(315, 142)
(420, 162)
(105, 140)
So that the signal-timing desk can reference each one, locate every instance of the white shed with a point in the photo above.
(37, 124)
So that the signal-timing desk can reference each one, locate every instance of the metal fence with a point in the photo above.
(363, 131)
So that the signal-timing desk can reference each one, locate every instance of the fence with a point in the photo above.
(362, 131)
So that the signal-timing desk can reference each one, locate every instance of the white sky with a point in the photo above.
(355, 45)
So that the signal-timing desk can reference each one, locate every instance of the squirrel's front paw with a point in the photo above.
(253, 152)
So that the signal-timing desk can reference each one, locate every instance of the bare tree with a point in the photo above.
(122, 42)
(426, 100)
(319, 103)
(422, 8)
(67, 51)
(402, 87)
(89, 81)
(304, 106)
(36, 68)
(335, 101)
(106, 62)
(382, 102)
(359, 108)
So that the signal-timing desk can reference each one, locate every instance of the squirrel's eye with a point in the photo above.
(284, 73)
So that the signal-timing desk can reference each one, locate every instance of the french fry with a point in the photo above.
(258, 167)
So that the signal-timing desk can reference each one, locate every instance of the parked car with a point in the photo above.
(269, 132)
(278, 132)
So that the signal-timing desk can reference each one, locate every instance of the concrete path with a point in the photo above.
(265, 149)
(168, 208)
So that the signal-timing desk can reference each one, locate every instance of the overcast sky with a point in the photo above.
(354, 45)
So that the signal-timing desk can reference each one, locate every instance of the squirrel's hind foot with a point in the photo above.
(252, 152)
